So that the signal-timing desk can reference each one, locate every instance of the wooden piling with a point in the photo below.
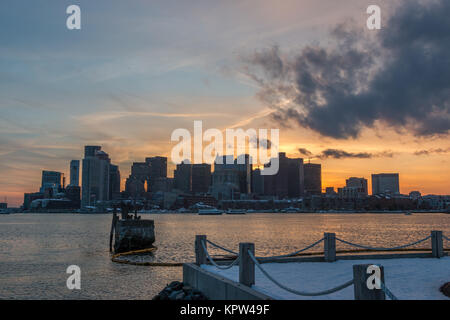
(361, 287)
(200, 254)
(437, 245)
(246, 264)
(329, 247)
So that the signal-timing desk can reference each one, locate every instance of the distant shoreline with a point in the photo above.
(250, 213)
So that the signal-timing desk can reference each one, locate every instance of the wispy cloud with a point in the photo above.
(98, 117)
(432, 151)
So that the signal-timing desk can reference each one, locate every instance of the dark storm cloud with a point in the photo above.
(342, 154)
(304, 152)
(261, 143)
(401, 79)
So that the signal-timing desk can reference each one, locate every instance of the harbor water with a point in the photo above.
(36, 249)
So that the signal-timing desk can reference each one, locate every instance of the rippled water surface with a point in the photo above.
(36, 249)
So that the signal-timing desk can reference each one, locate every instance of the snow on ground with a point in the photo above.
(408, 279)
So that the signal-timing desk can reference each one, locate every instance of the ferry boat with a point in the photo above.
(235, 211)
(209, 212)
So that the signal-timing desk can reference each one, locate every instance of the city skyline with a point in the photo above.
(62, 90)
(326, 183)
(352, 184)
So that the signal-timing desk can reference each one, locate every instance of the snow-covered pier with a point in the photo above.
(396, 273)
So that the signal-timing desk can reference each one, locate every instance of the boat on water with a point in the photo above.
(236, 211)
(209, 212)
(291, 210)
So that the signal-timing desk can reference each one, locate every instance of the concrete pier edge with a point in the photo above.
(216, 287)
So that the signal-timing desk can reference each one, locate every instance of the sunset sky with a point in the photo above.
(356, 101)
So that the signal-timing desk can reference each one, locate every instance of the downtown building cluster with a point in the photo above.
(228, 183)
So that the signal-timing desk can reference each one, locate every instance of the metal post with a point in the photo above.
(330, 247)
(200, 254)
(437, 245)
(246, 264)
(365, 287)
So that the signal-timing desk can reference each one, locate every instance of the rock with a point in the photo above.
(445, 289)
(176, 285)
(187, 288)
(180, 296)
(174, 294)
(163, 295)
(178, 291)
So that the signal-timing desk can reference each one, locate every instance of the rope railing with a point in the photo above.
(247, 261)
(296, 292)
(222, 248)
(387, 292)
(293, 253)
(214, 263)
(382, 249)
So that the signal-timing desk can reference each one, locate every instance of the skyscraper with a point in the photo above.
(201, 177)
(242, 165)
(296, 184)
(114, 181)
(385, 183)
(257, 182)
(158, 168)
(226, 180)
(359, 184)
(52, 180)
(313, 178)
(289, 180)
(95, 184)
(75, 173)
(137, 182)
(183, 176)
